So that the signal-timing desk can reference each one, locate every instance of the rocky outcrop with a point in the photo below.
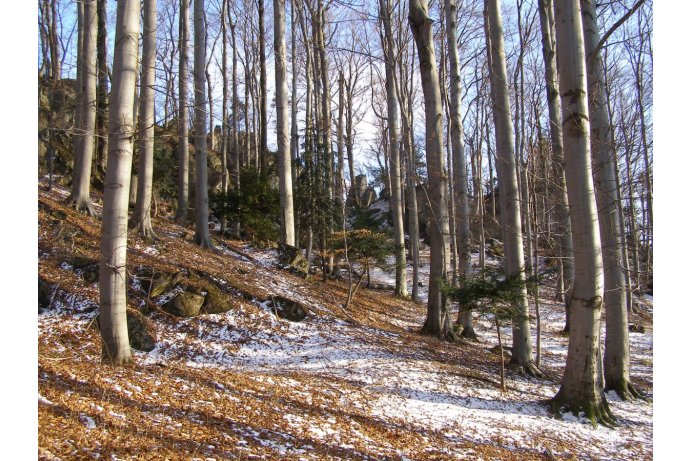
(288, 309)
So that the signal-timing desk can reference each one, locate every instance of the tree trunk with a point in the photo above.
(84, 141)
(437, 322)
(142, 212)
(617, 339)
(285, 177)
(113, 265)
(263, 122)
(460, 174)
(401, 289)
(565, 244)
(183, 113)
(580, 386)
(509, 197)
(102, 91)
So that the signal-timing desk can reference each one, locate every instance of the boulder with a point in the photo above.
(160, 283)
(288, 309)
(215, 300)
(44, 290)
(139, 332)
(185, 304)
(292, 257)
(368, 197)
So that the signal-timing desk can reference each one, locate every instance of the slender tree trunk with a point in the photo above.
(142, 212)
(84, 144)
(285, 177)
(201, 196)
(617, 339)
(113, 265)
(401, 289)
(555, 124)
(460, 174)
(522, 352)
(102, 90)
(224, 108)
(183, 113)
(580, 386)
(235, 177)
(55, 60)
(437, 322)
(339, 141)
(263, 122)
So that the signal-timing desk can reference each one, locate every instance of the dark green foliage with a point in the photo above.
(491, 293)
(255, 206)
(165, 168)
(365, 248)
(368, 218)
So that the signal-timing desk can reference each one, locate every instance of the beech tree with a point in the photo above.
(509, 197)
(183, 114)
(385, 9)
(201, 196)
(113, 264)
(438, 321)
(86, 117)
(142, 212)
(581, 385)
(616, 363)
(285, 179)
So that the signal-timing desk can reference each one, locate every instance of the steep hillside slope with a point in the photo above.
(248, 384)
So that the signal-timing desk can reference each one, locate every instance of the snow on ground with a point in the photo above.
(364, 372)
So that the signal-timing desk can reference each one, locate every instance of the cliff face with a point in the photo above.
(56, 107)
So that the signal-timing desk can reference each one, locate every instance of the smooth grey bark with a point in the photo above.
(285, 177)
(102, 90)
(396, 203)
(235, 164)
(224, 106)
(183, 113)
(338, 181)
(580, 388)
(617, 357)
(142, 211)
(263, 122)
(509, 197)
(460, 175)
(84, 140)
(113, 264)
(565, 245)
(437, 321)
(201, 196)
(325, 99)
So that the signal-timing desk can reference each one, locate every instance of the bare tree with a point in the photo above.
(509, 197)
(183, 114)
(285, 178)
(385, 9)
(142, 212)
(608, 200)
(201, 196)
(113, 265)
(438, 319)
(580, 388)
(84, 139)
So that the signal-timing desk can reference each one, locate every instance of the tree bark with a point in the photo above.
(460, 175)
(142, 212)
(522, 352)
(263, 122)
(580, 388)
(183, 113)
(437, 322)
(201, 196)
(617, 357)
(84, 141)
(555, 123)
(113, 264)
(102, 90)
(285, 177)
(396, 203)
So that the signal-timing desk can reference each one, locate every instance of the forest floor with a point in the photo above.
(362, 384)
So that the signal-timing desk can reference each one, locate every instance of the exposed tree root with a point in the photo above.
(529, 369)
(596, 411)
(81, 205)
(625, 390)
